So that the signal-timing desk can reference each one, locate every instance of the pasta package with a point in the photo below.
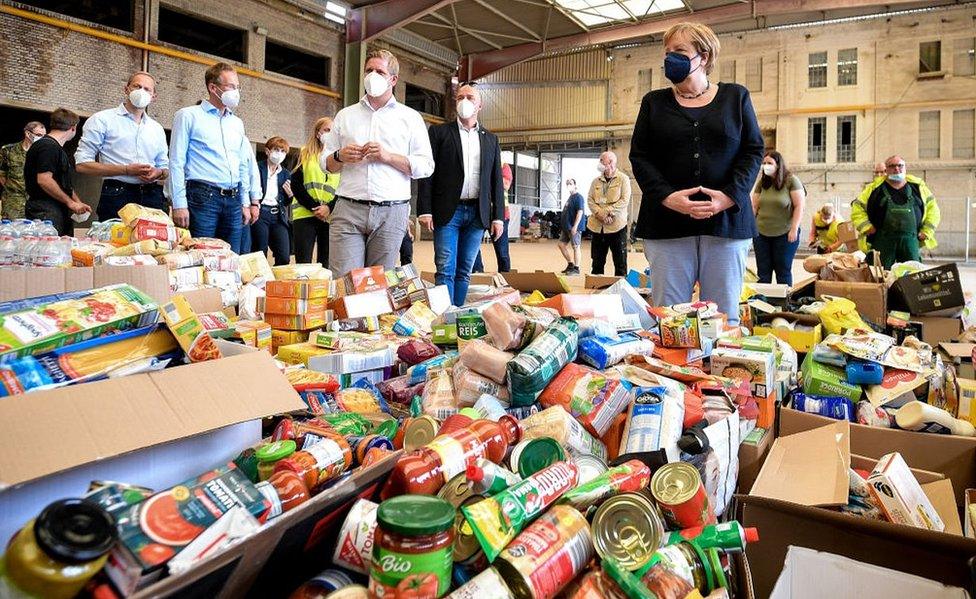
(504, 326)
(603, 352)
(469, 386)
(590, 396)
(362, 397)
(438, 399)
(132, 214)
(149, 247)
(532, 369)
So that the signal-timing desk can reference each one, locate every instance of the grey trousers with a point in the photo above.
(361, 235)
(716, 263)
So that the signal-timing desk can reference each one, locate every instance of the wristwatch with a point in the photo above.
(335, 156)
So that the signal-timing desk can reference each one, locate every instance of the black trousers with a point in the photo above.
(616, 243)
(308, 232)
(406, 250)
(271, 230)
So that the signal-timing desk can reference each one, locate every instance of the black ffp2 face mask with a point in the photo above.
(677, 66)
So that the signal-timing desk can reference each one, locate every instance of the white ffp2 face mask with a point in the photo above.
(465, 108)
(140, 98)
(231, 98)
(322, 136)
(375, 84)
(276, 157)
(769, 169)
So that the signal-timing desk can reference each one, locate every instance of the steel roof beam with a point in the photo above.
(369, 22)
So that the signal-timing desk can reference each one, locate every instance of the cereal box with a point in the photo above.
(48, 326)
(292, 306)
(310, 289)
(254, 333)
(299, 353)
(303, 322)
(755, 367)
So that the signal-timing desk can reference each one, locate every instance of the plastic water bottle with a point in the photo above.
(24, 249)
(20, 226)
(47, 229)
(8, 250)
(7, 228)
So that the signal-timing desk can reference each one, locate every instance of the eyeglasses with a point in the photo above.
(900, 165)
(468, 84)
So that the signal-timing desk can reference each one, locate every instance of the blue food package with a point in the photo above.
(418, 372)
(602, 352)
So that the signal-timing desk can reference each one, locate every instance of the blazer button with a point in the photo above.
(696, 124)
(696, 154)
(697, 173)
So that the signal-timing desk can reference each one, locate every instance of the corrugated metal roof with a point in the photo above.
(578, 66)
(540, 105)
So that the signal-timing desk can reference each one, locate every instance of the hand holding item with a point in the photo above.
(77, 207)
(322, 212)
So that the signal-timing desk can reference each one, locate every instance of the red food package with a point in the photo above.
(694, 412)
(398, 390)
(416, 351)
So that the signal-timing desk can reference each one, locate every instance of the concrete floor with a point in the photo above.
(545, 255)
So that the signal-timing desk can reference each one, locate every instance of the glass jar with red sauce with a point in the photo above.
(285, 490)
(325, 460)
(413, 551)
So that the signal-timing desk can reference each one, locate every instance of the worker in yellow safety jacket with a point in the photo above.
(315, 192)
(823, 233)
(896, 215)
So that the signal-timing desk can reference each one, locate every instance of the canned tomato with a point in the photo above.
(595, 585)
(628, 529)
(677, 487)
(547, 555)
(487, 585)
(418, 432)
(532, 455)
(354, 547)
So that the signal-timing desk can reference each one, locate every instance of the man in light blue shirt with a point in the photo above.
(128, 148)
(211, 183)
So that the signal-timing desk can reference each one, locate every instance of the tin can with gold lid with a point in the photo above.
(458, 493)
(677, 487)
(627, 528)
(418, 432)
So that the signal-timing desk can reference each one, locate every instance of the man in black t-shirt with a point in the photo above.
(47, 175)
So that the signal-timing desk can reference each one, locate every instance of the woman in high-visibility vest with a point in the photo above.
(315, 192)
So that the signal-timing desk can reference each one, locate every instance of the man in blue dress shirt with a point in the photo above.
(212, 169)
(128, 148)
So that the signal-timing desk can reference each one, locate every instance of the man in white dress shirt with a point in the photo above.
(128, 148)
(378, 145)
(464, 195)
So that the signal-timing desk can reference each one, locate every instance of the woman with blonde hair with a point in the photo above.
(315, 193)
(695, 153)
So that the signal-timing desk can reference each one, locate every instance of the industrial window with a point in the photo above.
(930, 57)
(846, 138)
(727, 71)
(847, 66)
(424, 100)
(928, 134)
(817, 70)
(964, 133)
(817, 139)
(964, 57)
(295, 63)
(754, 74)
(200, 35)
(112, 13)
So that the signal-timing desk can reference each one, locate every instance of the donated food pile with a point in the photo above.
(583, 445)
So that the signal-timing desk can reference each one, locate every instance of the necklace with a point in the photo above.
(708, 85)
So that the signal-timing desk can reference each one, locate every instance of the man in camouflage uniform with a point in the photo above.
(12, 171)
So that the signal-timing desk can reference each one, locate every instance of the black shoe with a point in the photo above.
(568, 268)
(573, 271)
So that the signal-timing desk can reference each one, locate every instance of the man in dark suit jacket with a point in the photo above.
(272, 227)
(464, 196)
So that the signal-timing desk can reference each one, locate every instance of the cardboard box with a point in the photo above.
(758, 368)
(348, 362)
(810, 574)
(846, 232)
(304, 289)
(253, 333)
(967, 399)
(189, 330)
(934, 290)
(18, 282)
(960, 355)
(599, 281)
(901, 496)
(549, 283)
(938, 329)
(305, 322)
(145, 429)
(801, 341)
(281, 337)
(969, 517)
(949, 455)
(373, 303)
(824, 379)
(292, 306)
(807, 469)
(752, 455)
(871, 298)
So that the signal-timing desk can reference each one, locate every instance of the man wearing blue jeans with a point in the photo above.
(214, 185)
(464, 195)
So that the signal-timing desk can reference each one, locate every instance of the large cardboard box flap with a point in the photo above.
(96, 421)
(809, 574)
(808, 468)
(953, 456)
(932, 555)
(871, 298)
(549, 283)
(19, 282)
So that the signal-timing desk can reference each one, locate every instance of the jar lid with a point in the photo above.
(276, 450)
(75, 531)
(415, 515)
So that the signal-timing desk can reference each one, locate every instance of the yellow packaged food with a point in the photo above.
(134, 213)
(177, 260)
(189, 331)
(150, 247)
(255, 265)
(91, 253)
(254, 333)
(301, 271)
(280, 337)
(185, 278)
(299, 353)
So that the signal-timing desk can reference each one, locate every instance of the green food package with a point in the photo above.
(532, 369)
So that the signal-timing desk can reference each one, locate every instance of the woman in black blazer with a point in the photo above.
(695, 154)
(272, 229)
